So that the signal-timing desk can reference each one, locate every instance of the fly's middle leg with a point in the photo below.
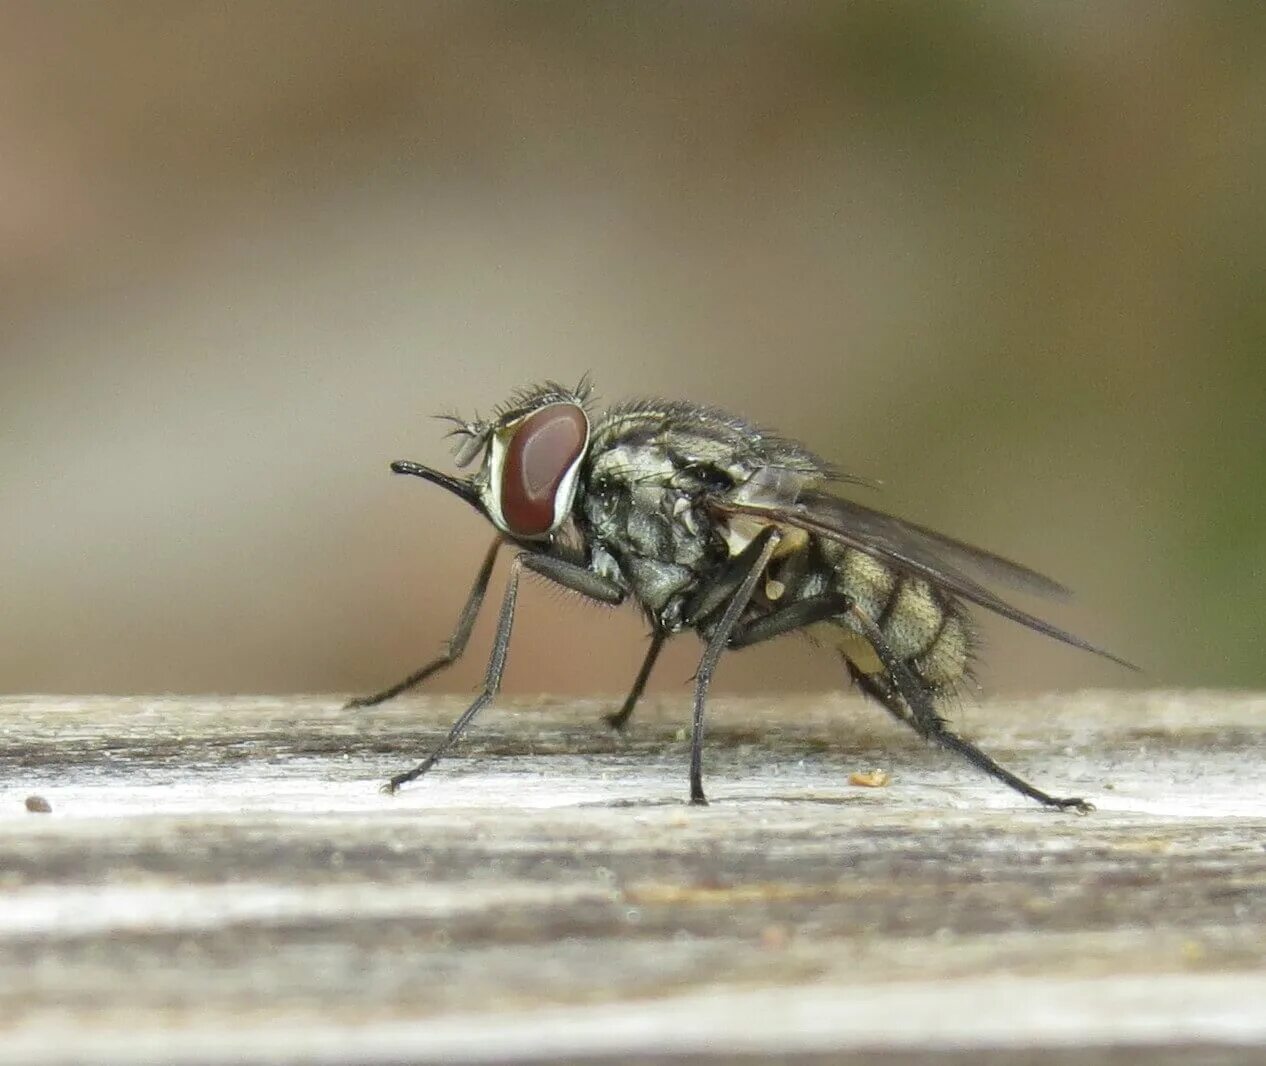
(738, 582)
(617, 720)
(789, 618)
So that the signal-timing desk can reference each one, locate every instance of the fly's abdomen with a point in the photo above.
(920, 624)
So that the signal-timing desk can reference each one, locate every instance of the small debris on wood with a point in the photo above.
(38, 805)
(775, 937)
(870, 778)
(752, 893)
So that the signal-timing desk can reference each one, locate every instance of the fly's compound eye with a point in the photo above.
(534, 464)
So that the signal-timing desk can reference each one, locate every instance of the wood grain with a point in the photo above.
(219, 880)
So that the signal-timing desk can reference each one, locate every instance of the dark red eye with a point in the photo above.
(544, 448)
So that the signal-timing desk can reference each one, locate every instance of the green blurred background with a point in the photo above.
(1008, 257)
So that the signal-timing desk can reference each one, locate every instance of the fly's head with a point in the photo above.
(529, 456)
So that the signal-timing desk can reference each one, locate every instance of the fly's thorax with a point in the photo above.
(702, 440)
(630, 464)
(651, 466)
(642, 510)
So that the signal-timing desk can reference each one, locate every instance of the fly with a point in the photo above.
(712, 524)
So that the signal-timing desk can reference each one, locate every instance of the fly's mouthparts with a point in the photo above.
(456, 485)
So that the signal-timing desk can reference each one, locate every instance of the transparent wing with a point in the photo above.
(914, 543)
(912, 549)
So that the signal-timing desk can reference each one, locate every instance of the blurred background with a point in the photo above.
(1007, 257)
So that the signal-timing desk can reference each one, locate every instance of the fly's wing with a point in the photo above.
(906, 547)
(914, 544)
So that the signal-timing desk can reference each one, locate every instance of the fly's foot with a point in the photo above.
(617, 720)
(393, 786)
(1075, 804)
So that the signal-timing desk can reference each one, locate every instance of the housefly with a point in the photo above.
(712, 524)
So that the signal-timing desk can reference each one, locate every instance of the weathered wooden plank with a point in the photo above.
(219, 880)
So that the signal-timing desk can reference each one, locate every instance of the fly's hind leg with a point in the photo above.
(908, 700)
(878, 690)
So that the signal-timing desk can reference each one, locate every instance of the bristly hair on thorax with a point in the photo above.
(785, 451)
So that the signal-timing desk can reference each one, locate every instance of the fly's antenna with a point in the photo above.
(451, 416)
(475, 432)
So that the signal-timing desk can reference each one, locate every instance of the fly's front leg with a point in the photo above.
(569, 575)
(456, 643)
(575, 577)
(905, 687)
(757, 556)
(617, 720)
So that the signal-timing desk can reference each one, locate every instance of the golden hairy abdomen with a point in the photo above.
(921, 626)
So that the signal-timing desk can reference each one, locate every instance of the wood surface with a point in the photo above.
(219, 880)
